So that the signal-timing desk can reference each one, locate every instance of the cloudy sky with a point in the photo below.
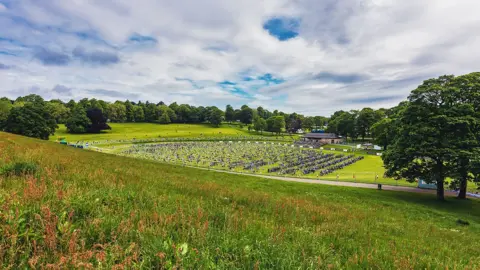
(309, 56)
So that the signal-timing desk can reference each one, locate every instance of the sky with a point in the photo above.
(312, 57)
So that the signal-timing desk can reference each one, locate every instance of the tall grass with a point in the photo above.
(84, 209)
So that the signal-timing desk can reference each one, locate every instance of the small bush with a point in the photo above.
(463, 222)
(18, 169)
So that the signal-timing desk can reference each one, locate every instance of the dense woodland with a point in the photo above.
(434, 135)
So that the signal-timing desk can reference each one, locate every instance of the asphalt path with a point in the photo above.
(338, 183)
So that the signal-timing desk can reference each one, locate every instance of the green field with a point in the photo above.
(121, 131)
(128, 131)
(72, 208)
(365, 171)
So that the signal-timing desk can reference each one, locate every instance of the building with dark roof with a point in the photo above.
(325, 138)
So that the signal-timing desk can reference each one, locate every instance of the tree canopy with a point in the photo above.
(87, 121)
(276, 124)
(32, 120)
(5, 107)
(259, 124)
(437, 133)
(215, 116)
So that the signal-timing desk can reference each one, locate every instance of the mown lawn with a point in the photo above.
(126, 131)
(122, 131)
(81, 209)
(365, 171)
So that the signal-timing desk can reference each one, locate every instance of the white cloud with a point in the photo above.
(391, 45)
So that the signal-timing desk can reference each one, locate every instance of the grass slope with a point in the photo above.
(88, 209)
(121, 131)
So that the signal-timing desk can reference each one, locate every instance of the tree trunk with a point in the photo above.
(440, 179)
(462, 194)
(440, 190)
(463, 189)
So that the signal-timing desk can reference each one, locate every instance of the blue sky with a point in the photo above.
(309, 56)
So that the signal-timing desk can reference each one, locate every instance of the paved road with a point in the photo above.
(338, 183)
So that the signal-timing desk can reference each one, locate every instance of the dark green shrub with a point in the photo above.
(19, 169)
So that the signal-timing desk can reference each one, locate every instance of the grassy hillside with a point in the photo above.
(69, 208)
(149, 130)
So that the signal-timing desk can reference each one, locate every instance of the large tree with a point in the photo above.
(308, 123)
(71, 104)
(464, 164)
(246, 115)
(117, 112)
(319, 121)
(165, 114)
(383, 131)
(293, 122)
(183, 113)
(5, 107)
(465, 119)
(87, 121)
(150, 112)
(59, 111)
(366, 118)
(32, 120)
(138, 114)
(215, 116)
(99, 121)
(438, 133)
(259, 124)
(261, 112)
(33, 98)
(164, 118)
(229, 114)
(276, 124)
(422, 147)
(78, 122)
(129, 111)
(343, 123)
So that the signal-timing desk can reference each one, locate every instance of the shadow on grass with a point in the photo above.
(451, 204)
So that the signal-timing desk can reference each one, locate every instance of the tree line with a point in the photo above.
(92, 115)
(33, 116)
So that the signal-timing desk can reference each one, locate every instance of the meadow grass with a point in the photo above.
(83, 209)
